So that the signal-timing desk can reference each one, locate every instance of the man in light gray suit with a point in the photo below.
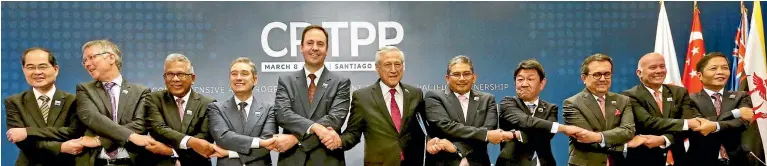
(311, 105)
(243, 123)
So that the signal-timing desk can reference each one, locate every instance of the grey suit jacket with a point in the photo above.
(43, 142)
(582, 110)
(535, 132)
(94, 109)
(443, 110)
(231, 133)
(165, 124)
(295, 115)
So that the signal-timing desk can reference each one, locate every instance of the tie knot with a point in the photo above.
(392, 91)
(462, 97)
(531, 106)
(656, 93)
(312, 76)
(243, 104)
(601, 99)
(43, 98)
(180, 101)
(109, 85)
(717, 95)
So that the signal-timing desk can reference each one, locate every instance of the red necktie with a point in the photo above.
(395, 116)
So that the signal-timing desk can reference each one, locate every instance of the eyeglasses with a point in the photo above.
(606, 75)
(464, 75)
(90, 58)
(38, 67)
(392, 65)
(179, 75)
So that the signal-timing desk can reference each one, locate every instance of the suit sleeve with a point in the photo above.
(153, 106)
(511, 112)
(540, 133)
(286, 116)
(438, 116)
(573, 116)
(737, 123)
(270, 128)
(644, 118)
(13, 114)
(491, 114)
(618, 136)
(103, 126)
(223, 135)
(351, 136)
(58, 133)
(340, 108)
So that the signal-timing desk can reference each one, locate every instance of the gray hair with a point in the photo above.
(386, 49)
(106, 46)
(177, 57)
(459, 59)
(246, 61)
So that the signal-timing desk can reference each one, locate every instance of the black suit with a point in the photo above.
(44, 139)
(166, 126)
(704, 149)
(383, 142)
(677, 106)
(444, 112)
(535, 132)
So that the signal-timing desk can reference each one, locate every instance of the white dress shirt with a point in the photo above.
(398, 96)
(121, 152)
(48, 94)
(256, 141)
(464, 104)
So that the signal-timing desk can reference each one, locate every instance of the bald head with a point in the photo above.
(651, 70)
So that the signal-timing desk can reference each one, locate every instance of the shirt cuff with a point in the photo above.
(174, 153)
(233, 154)
(685, 127)
(309, 130)
(717, 127)
(518, 134)
(625, 149)
(736, 113)
(668, 143)
(183, 142)
(602, 144)
(256, 143)
(554, 127)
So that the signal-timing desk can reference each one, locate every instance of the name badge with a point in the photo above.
(732, 96)
(258, 114)
(669, 99)
(125, 91)
(56, 103)
(189, 112)
(613, 102)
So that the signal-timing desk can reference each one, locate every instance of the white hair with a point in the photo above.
(177, 57)
(386, 49)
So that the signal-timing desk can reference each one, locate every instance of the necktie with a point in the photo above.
(180, 104)
(658, 100)
(44, 106)
(462, 99)
(242, 110)
(601, 101)
(531, 108)
(718, 105)
(312, 86)
(396, 117)
(109, 86)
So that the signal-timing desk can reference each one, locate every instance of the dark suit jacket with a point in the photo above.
(295, 115)
(94, 110)
(582, 110)
(43, 142)
(704, 150)
(751, 137)
(166, 126)
(443, 110)
(231, 133)
(677, 106)
(535, 132)
(383, 143)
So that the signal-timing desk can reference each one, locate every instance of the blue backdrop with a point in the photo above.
(496, 35)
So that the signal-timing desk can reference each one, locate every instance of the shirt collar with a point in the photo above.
(249, 100)
(597, 97)
(118, 81)
(49, 93)
(711, 93)
(652, 91)
(317, 73)
(185, 98)
(468, 94)
(385, 88)
(533, 103)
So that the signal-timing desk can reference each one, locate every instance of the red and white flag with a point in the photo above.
(664, 45)
(695, 51)
(756, 70)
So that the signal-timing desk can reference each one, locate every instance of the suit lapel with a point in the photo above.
(727, 103)
(521, 104)
(302, 89)
(541, 106)
(255, 116)
(232, 113)
(191, 105)
(707, 106)
(171, 111)
(55, 110)
(125, 96)
(377, 95)
(30, 102)
(593, 106)
(320, 90)
(471, 111)
(454, 105)
(407, 113)
(610, 108)
(105, 99)
(667, 105)
(649, 99)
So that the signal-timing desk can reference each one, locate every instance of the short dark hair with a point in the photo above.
(704, 61)
(51, 58)
(598, 57)
(533, 65)
(460, 59)
(318, 27)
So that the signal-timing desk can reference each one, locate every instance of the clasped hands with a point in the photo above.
(703, 126)
(328, 136)
(497, 136)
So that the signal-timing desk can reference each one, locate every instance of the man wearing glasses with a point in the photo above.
(178, 118)
(606, 117)
(42, 119)
(111, 108)
(466, 119)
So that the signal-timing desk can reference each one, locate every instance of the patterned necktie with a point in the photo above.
(601, 101)
(242, 111)
(312, 86)
(180, 104)
(658, 100)
(396, 117)
(108, 86)
(44, 106)
(718, 105)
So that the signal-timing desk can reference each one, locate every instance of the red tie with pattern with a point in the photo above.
(395, 116)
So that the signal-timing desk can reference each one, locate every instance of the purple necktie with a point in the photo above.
(108, 86)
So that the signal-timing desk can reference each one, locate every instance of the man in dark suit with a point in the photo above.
(311, 105)
(607, 117)
(243, 124)
(178, 118)
(467, 118)
(662, 113)
(719, 142)
(111, 108)
(386, 113)
(534, 121)
(42, 120)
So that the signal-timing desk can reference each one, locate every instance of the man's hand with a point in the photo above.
(283, 142)
(569, 130)
(71, 147)
(693, 124)
(89, 141)
(432, 147)
(331, 139)
(447, 146)
(495, 136)
(267, 143)
(654, 141)
(509, 135)
(706, 127)
(200, 146)
(16, 134)
(746, 114)
(140, 140)
(220, 152)
(586, 136)
(159, 148)
(464, 162)
(636, 141)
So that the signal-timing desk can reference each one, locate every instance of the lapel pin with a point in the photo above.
(258, 114)
(476, 98)
(613, 102)
(669, 99)
(189, 112)
(125, 91)
(732, 96)
(540, 109)
(407, 91)
(324, 85)
(56, 102)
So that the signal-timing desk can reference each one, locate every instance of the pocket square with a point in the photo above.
(617, 112)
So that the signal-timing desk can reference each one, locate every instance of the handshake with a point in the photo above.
(580, 134)
(703, 126)
(328, 136)
(497, 136)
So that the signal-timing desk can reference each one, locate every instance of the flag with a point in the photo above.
(695, 51)
(664, 45)
(738, 53)
(756, 68)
